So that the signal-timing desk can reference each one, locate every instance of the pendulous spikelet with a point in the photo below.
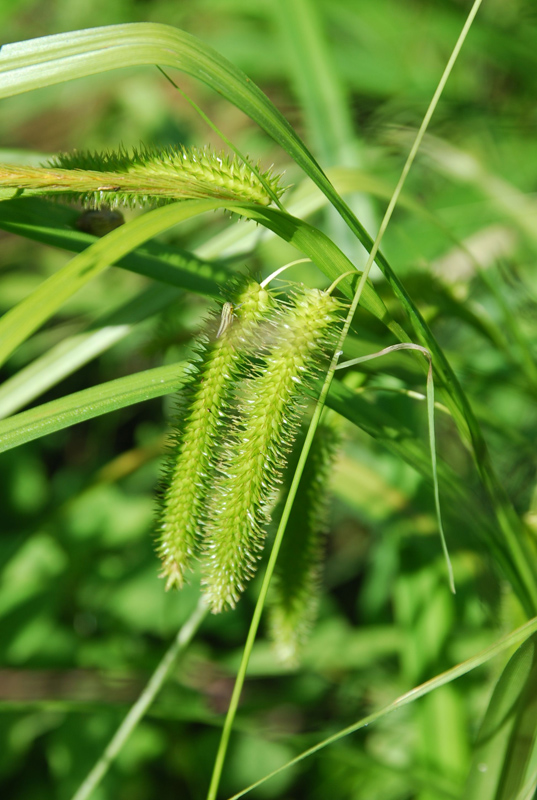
(189, 471)
(297, 578)
(255, 453)
(144, 176)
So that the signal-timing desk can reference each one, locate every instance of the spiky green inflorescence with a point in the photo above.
(297, 578)
(145, 176)
(191, 462)
(255, 454)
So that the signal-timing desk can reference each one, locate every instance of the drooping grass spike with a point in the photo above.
(190, 466)
(255, 453)
(295, 589)
(144, 176)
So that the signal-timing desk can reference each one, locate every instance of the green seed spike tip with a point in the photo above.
(198, 426)
(153, 175)
(297, 579)
(147, 176)
(255, 453)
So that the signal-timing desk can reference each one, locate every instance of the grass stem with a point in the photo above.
(181, 641)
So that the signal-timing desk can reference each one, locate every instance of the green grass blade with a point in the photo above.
(322, 97)
(326, 255)
(315, 79)
(89, 403)
(504, 743)
(75, 351)
(505, 643)
(179, 644)
(529, 789)
(432, 437)
(18, 323)
(54, 224)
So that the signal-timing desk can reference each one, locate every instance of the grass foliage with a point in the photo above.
(342, 663)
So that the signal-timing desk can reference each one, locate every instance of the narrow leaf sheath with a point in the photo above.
(255, 454)
(189, 471)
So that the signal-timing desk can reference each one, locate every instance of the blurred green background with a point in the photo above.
(83, 617)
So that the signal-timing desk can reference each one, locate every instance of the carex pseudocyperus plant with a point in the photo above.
(242, 396)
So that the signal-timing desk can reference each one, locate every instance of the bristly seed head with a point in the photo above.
(296, 586)
(255, 453)
(145, 176)
(190, 468)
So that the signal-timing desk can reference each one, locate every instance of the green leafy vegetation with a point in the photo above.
(342, 662)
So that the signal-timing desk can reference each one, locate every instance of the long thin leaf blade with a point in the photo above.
(54, 224)
(18, 323)
(75, 351)
(505, 740)
(517, 636)
(22, 320)
(89, 403)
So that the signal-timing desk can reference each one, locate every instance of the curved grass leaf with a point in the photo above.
(315, 78)
(89, 403)
(22, 320)
(506, 642)
(75, 351)
(322, 96)
(18, 323)
(432, 436)
(505, 741)
(54, 224)
(529, 789)
(139, 709)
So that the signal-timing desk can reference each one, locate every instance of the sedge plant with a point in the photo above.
(243, 395)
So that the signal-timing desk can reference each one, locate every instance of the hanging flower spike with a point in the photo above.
(297, 578)
(189, 471)
(255, 454)
(145, 176)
